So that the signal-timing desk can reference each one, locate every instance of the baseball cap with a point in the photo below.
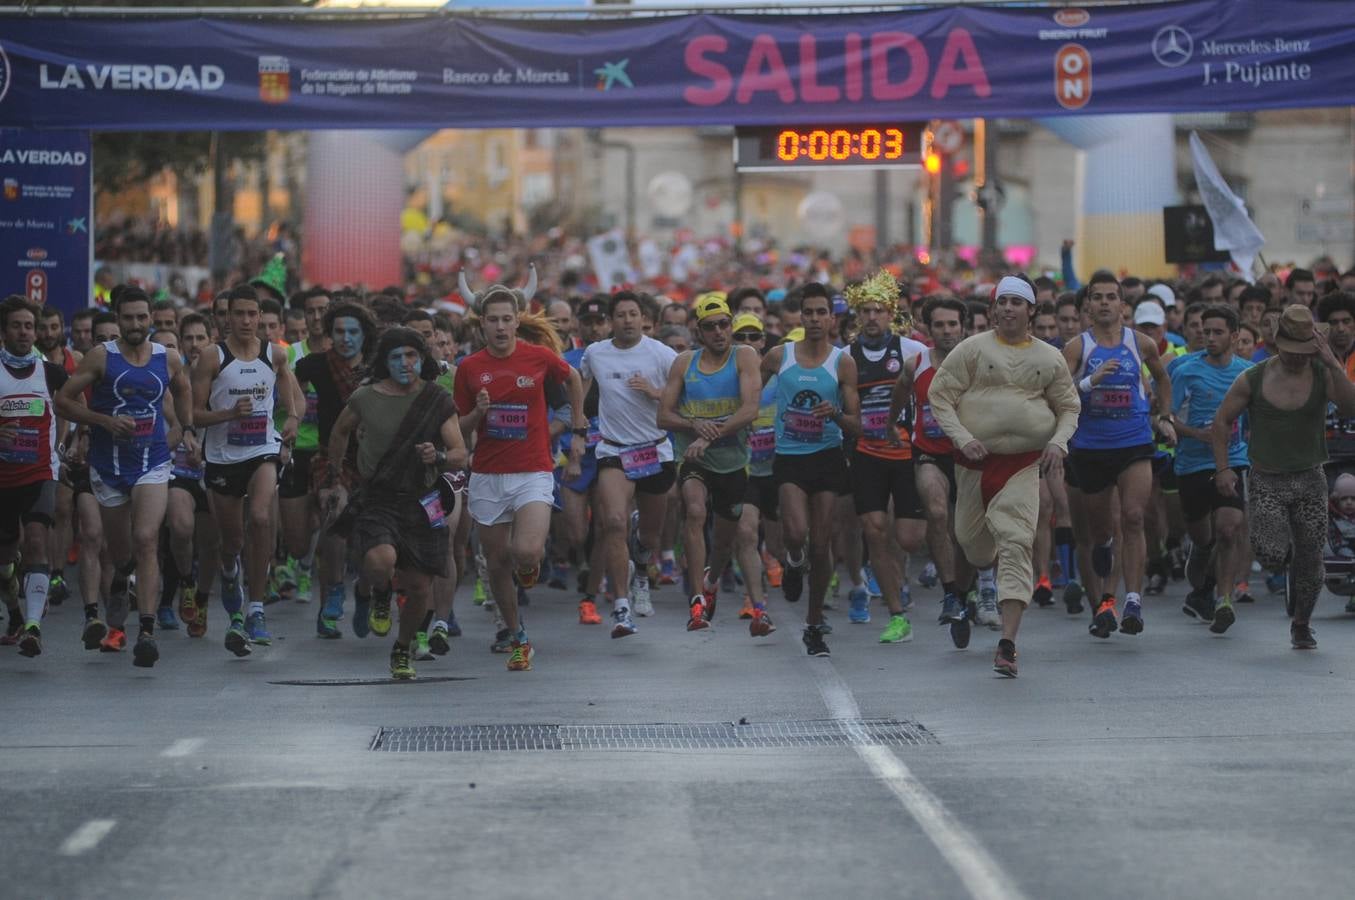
(745, 321)
(1163, 293)
(712, 304)
(795, 334)
(1149, 313)
(593, 308)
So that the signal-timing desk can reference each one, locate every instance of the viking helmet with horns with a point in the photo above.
(523, 295)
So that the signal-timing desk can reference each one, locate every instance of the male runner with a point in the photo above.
(710, 399)
(235, 388)
(132, 430)
(1113, 446)
(816, 403)
(579, 495)
(51, 341)
(761, 509)
(635, 457)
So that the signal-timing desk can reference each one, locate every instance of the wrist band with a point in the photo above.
(1085, 385)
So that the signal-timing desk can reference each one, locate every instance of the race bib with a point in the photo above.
(640, 462)
(251, 431)
(930, 427)
(762, 445)
(182, 466)
(312, 415)
(143, 428)
(1112, 402)
(875, 422)
(803, 427)
(19, 446)
(506, 422)
(432, 508)
(594, 435)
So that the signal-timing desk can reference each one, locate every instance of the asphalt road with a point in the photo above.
(1171, 764)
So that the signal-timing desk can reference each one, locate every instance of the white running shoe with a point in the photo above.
(639, 592)
(988, 614)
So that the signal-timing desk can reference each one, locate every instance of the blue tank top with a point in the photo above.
(798, 390)
(1115, 414)
(713, 396)
(137, 392)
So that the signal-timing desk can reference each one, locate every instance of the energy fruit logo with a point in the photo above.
(274, 79)
(1073, 76)
(612, 74)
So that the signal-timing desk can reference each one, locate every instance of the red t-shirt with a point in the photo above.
(514, 435)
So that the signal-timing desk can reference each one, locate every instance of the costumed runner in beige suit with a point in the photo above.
(1008, 403)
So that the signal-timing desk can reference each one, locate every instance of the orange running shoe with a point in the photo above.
(1044, 592)
(772, 566)
(588, 613)
(114, 642)
(527, 578)
(746, 612)
(1104, 623)
(520, 657)
(761, 626)
(697, 619)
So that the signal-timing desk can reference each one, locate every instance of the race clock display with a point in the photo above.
(770, 149)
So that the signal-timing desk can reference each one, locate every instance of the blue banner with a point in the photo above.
(466, 71)
(45, 217)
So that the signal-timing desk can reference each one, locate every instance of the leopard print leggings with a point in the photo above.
(1287, 514)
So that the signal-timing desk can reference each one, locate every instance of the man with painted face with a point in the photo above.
(333, 375)
(235, 387)
(28, 468)
(408, 435)
(131, 432)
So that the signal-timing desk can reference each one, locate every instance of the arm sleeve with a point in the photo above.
(1066, 403)
(949, 383)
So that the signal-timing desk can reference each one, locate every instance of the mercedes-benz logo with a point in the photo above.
(1172, 46)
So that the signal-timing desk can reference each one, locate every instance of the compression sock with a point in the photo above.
(36, 581)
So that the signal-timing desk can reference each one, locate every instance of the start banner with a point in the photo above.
(439, 71)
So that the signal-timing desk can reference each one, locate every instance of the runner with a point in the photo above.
(1217, 524)
(501, 398)
(709, 400)
(761, 511)
(235, 389)
(1008, 404)
(881, 467)
(29, 466)
(1113, 446)
(1285, 400)
(51, 341)
(132, 430)
(408, 434)
(816, 403)
(635, 457)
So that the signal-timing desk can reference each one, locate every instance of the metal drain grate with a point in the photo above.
(662, 736)
(349, 682)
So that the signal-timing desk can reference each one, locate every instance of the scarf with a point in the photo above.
(346, 378)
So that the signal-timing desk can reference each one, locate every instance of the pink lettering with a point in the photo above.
(852, 51)
(810, 89)
(881, 88)
(765, 72)
(960, 65)
(721, 82)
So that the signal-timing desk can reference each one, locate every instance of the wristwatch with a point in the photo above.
(580, 432)
(189, 429)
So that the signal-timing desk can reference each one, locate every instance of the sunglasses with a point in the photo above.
(720, 325)
(748, 337)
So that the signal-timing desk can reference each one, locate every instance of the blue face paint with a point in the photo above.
(347, 337)
(402, 371)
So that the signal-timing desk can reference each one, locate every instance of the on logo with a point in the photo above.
(1073, 76)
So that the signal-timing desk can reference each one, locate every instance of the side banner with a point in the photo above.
(45, 217)
(470, 71)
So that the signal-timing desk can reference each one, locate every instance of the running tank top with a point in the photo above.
(927, 433)
(876, 372)
(137, 392)
(798, 431)
(1115, 414)
(713, 396)
(238, 440)
(762, 436)
(28, 443)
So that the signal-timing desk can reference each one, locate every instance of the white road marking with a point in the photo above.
(977, 870)
(87, 836)
(183, 747)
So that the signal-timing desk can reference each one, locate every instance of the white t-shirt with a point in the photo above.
(627, 416)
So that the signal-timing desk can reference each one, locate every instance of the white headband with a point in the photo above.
(1010, 284)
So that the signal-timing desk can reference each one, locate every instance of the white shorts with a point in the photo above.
(110, 497)
(495, 498)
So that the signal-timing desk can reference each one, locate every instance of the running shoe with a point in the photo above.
(1131, 618)
(905, 598)
(952, 609)
(520, 659)
(303, 583)
(237, 641)
(1198, 565)
(639, 592)
(1224, 616)
(988, 614)
(57, 590)
(232, 590)
(872, 586)
(898, 631)
(422, 651)
(696, 618)
(165, 620)
(1243, 593)
(622, 623)
(503, 641)
(1103, 624)
(528, 577)
(1200, 604)
(929, 578)
(479, 596)
(858, 602)
(401, 667)
(188, 606)
(30, 641)
(198, 627)
(771, 566)
(709, 595)
(379, 620)
(1156, 584)
(746, 611)
(643, 606)
(437, 641)
(283, 583)
(1044, 592)
(793, 583)
(1275, 583)
(145, 652)
(761, 624)
(453, 627)
(114, 642)
(1103, 559)
(668, 573)
(588, 612)
(94, 633)
(959, 633)
(833, 592)
(330, 612)
(1004, 661)
(257, 629)
(1072, 598)
(1176, 563)
(813, 641)
(971, 604)
(1301, 637)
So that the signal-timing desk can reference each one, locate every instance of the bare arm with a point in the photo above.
(1163, 385)
(750, 391)
(1340, 389)
(668, 418)
(339, 436)
(850, 418)
(771, 363)
(457, 455)
(903, 390)
(204, 372)
(1235, 402)
(289, 392)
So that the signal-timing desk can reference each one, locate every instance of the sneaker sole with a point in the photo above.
(620, 631)
(237, 643)
(143, 656)
(1104, 625)
(30, 647)
(903, 640)
(1004, 671)
(959, 633)
(697, 624)
(762, 630)
(261, 641)
(94, 633)
(1131, 625)
(1223, 620)
(380, 630)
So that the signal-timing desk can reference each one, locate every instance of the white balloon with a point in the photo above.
(822, 215)
(670, 193)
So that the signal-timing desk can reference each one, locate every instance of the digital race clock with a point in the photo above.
(763, 149)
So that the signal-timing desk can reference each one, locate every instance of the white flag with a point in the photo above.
(611, 260)
(1234, 230)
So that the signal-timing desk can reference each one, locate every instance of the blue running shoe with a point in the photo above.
(453, 627)
(166, 619)
(929, 578)
(1131, 617)
(872, 585)
(1276, 583)
(952, 609)
(331, 611)
(858, 602)
(905, 598)
(256, 630)
(362, 608)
